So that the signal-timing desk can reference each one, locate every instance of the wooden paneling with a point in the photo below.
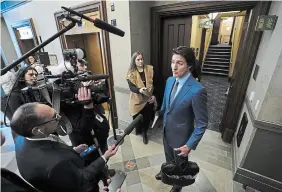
(93, 52)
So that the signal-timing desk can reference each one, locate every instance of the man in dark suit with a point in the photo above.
(184, 109)
(44, 160)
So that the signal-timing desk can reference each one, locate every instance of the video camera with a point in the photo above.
(64, 88)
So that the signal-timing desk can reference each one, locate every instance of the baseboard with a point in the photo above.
(257, 181)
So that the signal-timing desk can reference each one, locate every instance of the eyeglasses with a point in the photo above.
(56, 117)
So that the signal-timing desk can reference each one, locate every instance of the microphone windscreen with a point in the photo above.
(107, 27)
(133, 124)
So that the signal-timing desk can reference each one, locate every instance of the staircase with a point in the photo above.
(217, 60)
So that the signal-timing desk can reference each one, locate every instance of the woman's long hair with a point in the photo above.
(133, 66)
(20, 77)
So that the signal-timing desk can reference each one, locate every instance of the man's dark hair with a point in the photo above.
(188, 55)
(25, 119)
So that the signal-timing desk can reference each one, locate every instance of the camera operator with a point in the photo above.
(83, 120)
(44, 160)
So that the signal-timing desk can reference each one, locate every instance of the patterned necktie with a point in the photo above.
(173, 92)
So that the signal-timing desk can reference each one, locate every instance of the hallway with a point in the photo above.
(216, 87)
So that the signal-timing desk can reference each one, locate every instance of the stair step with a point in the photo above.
(212, 65)
(220, 49)
(216, 55)
(215, 69)
(220, 46)
(223, 63)
(218, 52)
(215, 73)
(216, 58)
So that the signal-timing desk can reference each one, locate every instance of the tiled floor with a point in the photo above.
(142, 162)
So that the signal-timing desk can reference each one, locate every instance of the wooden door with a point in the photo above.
(176, 32)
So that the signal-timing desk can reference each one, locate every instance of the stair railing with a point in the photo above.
(207, 47)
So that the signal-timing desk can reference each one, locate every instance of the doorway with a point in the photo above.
(89, 42)
(25, 34)
(239, 80)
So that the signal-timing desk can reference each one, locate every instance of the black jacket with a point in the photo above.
(52, 166)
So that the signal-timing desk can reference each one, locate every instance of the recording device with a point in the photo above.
(67, 85)
(97, 23)
(117, 181)
(72, 55)
(87, 151)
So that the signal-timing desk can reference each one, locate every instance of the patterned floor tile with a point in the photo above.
(143, 163)
(130, 165)
(135, 188)
(132, 178)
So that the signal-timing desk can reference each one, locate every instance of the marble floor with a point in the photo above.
(142, 162)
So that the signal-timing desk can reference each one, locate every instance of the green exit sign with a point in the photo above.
(266, 22)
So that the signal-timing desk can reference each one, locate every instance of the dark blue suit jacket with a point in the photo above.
(186, 120)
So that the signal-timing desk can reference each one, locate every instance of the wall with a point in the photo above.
(7, 44)
(272, 106)
(267, 86)
(196, 33)
(225, 30)
(42, 13)
(140, 25)
(236, 37)
(121, 54)
(267, 58)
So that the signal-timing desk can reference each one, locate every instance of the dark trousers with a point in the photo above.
(172, 157)
(147, 113)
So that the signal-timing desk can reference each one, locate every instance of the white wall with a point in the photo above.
(7, 44)
(140, 28)
(121, 54)
(42, 13)
(267, 58)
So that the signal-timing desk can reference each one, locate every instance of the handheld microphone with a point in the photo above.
(98, 23)
(130, 128)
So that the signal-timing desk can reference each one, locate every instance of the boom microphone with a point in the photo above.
(98, 23)
(130, 128)
(133, 124)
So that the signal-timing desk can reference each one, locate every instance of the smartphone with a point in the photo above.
(117, 181)
(87, 151)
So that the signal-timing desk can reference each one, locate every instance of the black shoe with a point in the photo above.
(175, 189)
(145, 139)
(111, 172)
(159, 176)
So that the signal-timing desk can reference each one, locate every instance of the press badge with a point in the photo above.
(99, 118)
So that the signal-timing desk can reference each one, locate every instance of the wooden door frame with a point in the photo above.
(246, 63)
(100, 6)
(23, 23)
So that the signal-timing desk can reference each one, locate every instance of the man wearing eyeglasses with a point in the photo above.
(44, 160)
